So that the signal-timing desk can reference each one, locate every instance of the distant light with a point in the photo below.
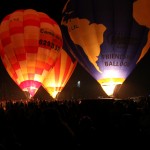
(78, 84)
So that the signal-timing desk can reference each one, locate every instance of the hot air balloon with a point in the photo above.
(108, 38)
(58, 77)
(30, 45)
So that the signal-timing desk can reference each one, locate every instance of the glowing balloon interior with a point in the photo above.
(58, 77)
(30, 45)
(108, 38)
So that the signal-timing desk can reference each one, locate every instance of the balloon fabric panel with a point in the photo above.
(58, 77)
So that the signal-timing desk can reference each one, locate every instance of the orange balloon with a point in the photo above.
(30, 45)
(58, 77)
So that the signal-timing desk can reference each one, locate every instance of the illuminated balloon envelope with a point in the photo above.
(58, 77)
(30, 45)
(108, 38)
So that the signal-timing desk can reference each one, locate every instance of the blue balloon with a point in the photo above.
(107, 37)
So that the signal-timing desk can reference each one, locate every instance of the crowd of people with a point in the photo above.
(74, 125)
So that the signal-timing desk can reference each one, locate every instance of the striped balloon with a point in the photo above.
(30, 45)
(58, 77)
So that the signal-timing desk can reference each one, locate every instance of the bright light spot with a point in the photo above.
(32, 88)
(109, 87)
(54, 94)
(111, 78)
(111, 74)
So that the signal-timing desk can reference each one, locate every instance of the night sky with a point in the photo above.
(137, 84)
